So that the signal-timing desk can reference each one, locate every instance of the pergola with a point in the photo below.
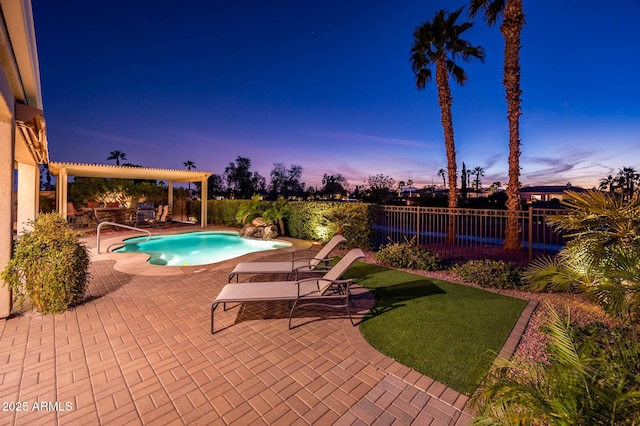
(62, 171)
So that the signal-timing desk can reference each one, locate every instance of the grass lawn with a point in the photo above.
(447, 331)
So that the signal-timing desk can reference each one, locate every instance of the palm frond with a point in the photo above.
(550, 274)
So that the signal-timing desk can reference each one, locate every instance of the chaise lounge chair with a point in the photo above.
(317, 290)
(318, 263)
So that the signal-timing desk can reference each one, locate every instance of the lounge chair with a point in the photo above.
(161, 216)
(317, 290)
(318, 263)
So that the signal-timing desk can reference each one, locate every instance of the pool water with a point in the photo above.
(196, 248)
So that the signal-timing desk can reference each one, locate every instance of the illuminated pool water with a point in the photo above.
(197, 248)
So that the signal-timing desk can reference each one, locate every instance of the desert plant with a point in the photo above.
(409, 255)
(602, 256)
(250, 211)
(489, 273)
(340, 218)
(277, 213)
(590, 379)
(50, 266)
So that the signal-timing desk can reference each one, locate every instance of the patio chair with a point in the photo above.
(74, 216)
(161, 216)
(315, 291)
(318, 263)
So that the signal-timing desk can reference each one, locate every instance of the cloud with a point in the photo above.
(360, 137)
(108, 137)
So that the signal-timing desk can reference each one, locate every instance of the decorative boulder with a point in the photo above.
(258, 221)
(263, 231)
(250, 231)
(270, 232)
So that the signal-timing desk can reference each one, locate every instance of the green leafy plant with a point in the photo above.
(591, 379)
(602, 256)
(250, 211)
(489, 273)
(409, 255)
(50, 266)
(277, 213)
(340, 219)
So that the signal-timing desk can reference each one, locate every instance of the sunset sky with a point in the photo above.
(327, 85)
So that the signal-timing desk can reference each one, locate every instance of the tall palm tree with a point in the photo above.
(511, 29)
(189, 165)
(442, 173)
(627, 179)
(438, 43)
(117, 155)
(607, 183)
(478, 172)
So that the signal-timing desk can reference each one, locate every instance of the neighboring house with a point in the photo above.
(23, 140)
(544, 193)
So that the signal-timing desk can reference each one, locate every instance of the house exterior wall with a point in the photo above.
(19, 84)
(7, 138)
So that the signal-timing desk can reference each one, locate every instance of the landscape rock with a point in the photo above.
(259, 232)
(269, 232)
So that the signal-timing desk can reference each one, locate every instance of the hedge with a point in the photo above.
(308, 220)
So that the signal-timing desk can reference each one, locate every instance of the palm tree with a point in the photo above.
(578, 385)
(189, 165)
(117, 155)
(438, 43)
(602, 255)
(607, 183)
(277, 213)
(511, 29)
(478, 172)
(442, 173)
(627, 179)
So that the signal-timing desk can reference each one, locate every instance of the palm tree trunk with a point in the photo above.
(445, 101)
(511, 29)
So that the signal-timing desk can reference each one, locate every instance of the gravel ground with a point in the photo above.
(532, 344)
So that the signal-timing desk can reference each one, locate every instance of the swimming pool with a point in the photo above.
(196, 248)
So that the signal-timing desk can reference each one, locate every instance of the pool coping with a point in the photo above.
(136, 263)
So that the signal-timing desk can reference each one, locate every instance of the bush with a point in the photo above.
(489, 273)
(50, 266)
(321, 220)
(409, 255)
(591, 378)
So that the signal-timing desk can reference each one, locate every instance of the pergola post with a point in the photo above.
(62, 188)
(204, 203)
(170, 195)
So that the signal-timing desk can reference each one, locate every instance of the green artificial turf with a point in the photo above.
(447, 331)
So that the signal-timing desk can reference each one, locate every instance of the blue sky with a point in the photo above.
(327, 85)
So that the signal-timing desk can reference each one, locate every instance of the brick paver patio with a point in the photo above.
(140, 351)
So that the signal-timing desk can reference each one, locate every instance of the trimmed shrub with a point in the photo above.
(409, 255)
(322, 220)
(489, 273)
(50, 266)
(307, 220)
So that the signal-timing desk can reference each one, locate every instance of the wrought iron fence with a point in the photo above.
(478, 233)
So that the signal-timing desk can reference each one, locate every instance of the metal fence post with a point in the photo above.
(530, 233)
(418, 226)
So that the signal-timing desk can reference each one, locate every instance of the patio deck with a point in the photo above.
(139, 351)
